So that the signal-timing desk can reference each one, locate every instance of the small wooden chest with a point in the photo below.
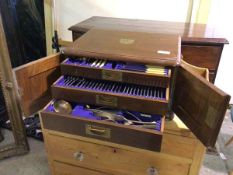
(145, 75)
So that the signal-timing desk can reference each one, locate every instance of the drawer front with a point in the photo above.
(113, 160)
(145, 99)
(202, 56)
(65, 169)
(140, 78)
(115, 101)
(116, 133)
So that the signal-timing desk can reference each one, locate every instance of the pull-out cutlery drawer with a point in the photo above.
(134, 73)
(153, 100)
(84, 122)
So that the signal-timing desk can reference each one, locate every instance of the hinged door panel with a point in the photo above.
(200, 105)
(34, 80)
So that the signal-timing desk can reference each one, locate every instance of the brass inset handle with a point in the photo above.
(98, 131)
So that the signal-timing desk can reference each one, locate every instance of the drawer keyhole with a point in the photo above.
(79, 156)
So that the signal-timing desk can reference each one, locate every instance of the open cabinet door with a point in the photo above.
(34, 80)
(200, 105)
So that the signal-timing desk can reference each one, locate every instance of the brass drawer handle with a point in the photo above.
(98, 131)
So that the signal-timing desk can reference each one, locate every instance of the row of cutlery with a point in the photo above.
(113, 87)
(106, 64)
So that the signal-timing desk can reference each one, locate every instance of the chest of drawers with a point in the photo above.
(201, 44)
(181, 153)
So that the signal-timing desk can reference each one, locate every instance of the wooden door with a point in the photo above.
(200, 105)
(34, 80)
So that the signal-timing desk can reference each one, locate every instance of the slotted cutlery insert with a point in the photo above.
(115, 94)
(134, 73)
(113, 87)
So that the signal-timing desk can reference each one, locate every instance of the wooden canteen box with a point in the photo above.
(135, 72)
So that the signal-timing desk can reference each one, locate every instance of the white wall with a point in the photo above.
(220, 16)
(70, 12)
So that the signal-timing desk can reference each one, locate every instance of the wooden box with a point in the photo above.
(77, 145)
(198, 103)
(201, 44)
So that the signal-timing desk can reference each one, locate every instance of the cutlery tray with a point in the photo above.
(126, 72)
(126, 96)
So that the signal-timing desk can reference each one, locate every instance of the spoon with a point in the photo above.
(62, 106)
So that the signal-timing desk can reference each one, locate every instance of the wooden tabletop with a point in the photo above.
(189, 32)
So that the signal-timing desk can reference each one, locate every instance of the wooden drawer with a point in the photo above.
(113, 160)
(202, 56)
(138, 137)
(160, 77)
(158, 104)
(65, 169)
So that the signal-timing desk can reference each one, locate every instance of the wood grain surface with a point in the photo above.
(66, 169)
(34, 80)
(113, 160)
(190, 33)
(200, 105)
(121, 134)
(128, 46)
(195, 38)
(180, 150)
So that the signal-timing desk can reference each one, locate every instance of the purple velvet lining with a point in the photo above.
(113, 87)
(80, 111)
(111, 65)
